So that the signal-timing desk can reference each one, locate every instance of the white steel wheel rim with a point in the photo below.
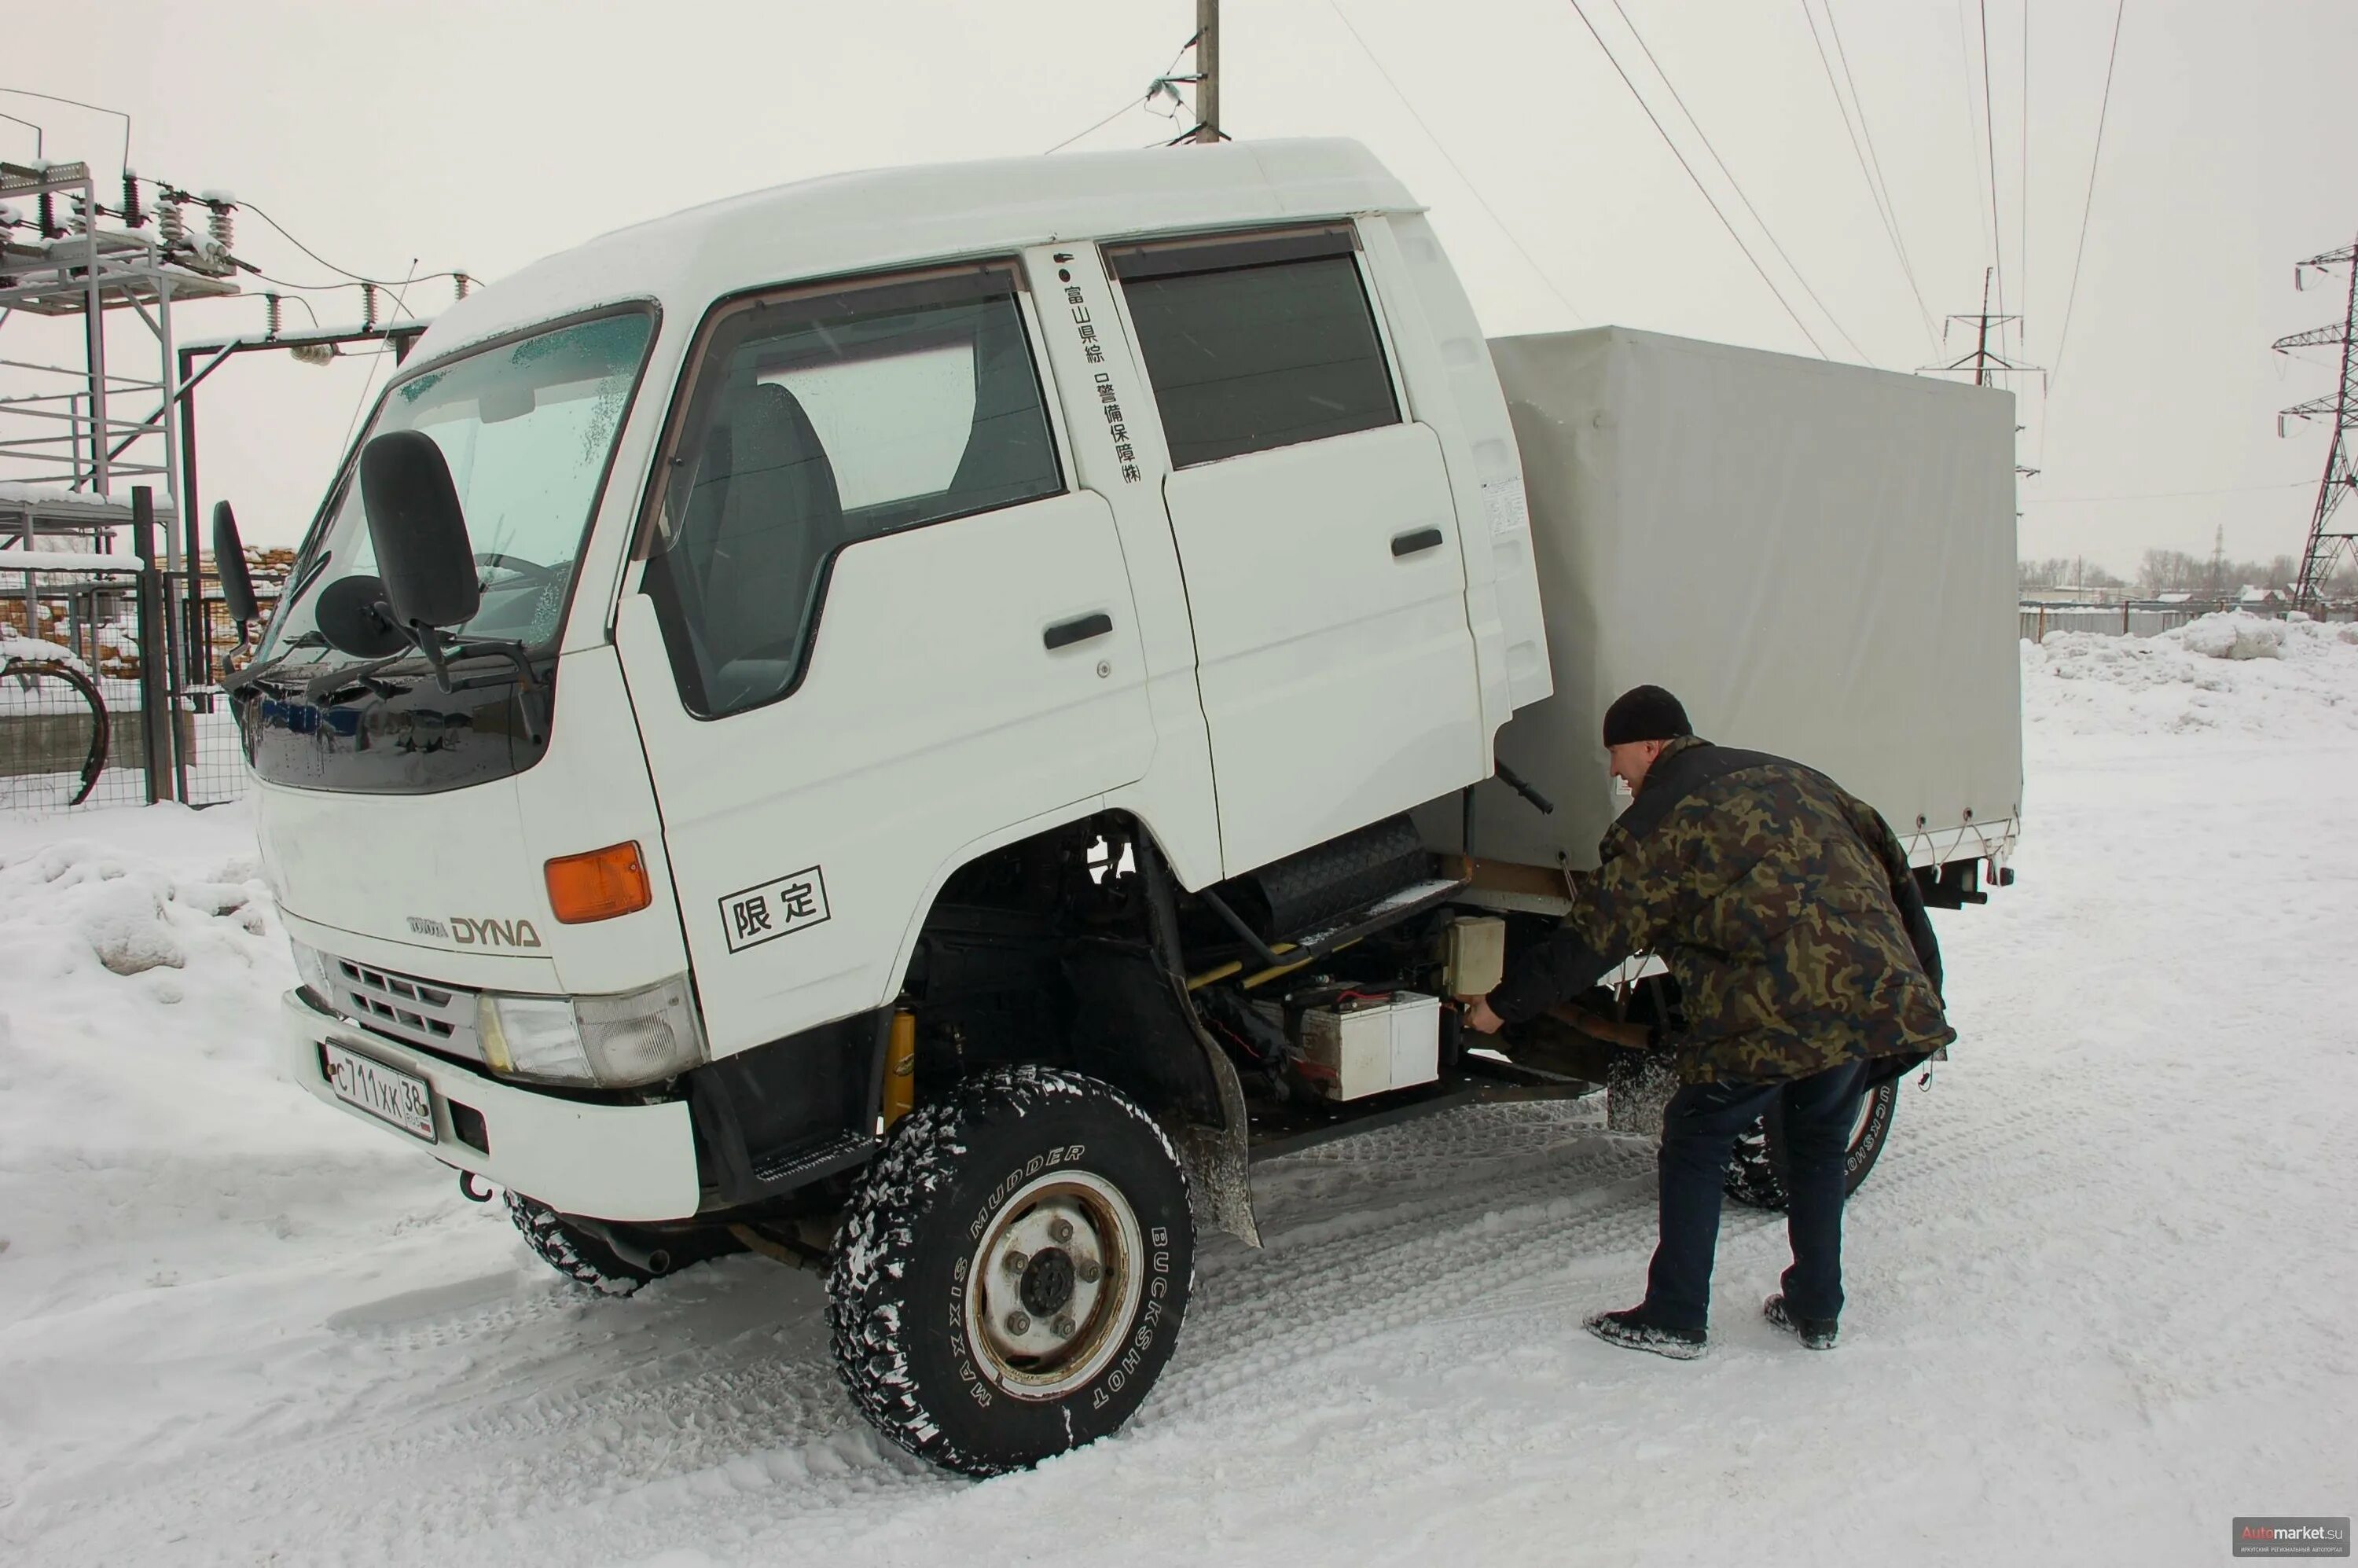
(1053, 1284)
(1866, 1118)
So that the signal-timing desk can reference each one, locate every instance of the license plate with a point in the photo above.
(401, 1098)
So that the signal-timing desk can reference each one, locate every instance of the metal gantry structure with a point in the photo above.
(2328, 545)
(103, 427)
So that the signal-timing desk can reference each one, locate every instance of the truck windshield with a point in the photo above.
(527, 427)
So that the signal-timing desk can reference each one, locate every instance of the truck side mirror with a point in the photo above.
(418, 530)
(229, 565)
(352, 615)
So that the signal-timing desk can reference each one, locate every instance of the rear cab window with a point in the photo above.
(817, 417)
(1254, 342)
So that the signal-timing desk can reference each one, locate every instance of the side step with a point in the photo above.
(1327, 881)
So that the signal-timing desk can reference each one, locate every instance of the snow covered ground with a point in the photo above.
(2102, 1286)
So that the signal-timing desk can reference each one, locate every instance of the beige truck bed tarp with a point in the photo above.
(1818, 558)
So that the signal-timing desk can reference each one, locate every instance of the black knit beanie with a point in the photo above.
(1645, 713)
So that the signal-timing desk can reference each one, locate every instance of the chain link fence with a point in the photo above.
(104, 699)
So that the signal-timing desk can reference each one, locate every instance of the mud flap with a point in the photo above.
(1219, 1161)
(1218, 1158)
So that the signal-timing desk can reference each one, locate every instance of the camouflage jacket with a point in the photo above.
(1783, 906)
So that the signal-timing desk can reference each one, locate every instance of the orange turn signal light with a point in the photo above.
(598, 885)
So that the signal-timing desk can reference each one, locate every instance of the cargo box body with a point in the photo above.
(1817, 558)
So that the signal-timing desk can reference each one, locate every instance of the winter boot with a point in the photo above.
(1817, 1332)
(1631, 1331)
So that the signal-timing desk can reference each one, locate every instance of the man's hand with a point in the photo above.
(1480, 1019)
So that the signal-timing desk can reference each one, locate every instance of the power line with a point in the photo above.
(2089, 202)
(1127, 105)
(332, 267)
(370, 381)
(1878, 189)
(1699, 185)
(1972, 156)
(1733, 184)
(1467, 180)
(1148, 97)
(1989, 138)
(94, 108)
(2162, 494)
(2022, 202)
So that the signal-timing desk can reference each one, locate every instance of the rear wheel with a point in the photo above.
(1756, 1171)
(1011, 1275)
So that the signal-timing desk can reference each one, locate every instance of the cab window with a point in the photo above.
(1254, 341)
(816, 419)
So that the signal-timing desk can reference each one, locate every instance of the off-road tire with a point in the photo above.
(1755, 1168)
(585, 1258)
(953, 1174)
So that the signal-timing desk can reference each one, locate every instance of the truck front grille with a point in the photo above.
(414, 1011)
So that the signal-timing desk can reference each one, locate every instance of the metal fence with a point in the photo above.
(2142, 618)
(88, 659)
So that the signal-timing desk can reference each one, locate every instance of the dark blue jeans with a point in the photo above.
(1698, 1127)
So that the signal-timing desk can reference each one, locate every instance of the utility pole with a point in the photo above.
(1208, 72)
(1985, 363)
(2327, 544)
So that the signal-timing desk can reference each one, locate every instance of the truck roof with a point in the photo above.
(890, 217)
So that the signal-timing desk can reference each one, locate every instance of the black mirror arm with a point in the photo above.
(438, 649)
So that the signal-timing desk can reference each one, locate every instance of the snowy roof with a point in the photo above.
(15, 496)
(2176, 596)
(883, 217)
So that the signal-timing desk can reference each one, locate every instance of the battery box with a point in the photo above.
(1364, 1043)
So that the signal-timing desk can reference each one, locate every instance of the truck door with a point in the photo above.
(876, 629)
(1317, 533)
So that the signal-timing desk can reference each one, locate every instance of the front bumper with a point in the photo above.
(607, 1161)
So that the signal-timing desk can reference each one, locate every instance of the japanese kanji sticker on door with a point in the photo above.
(776, 908)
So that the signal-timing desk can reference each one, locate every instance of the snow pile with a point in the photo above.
(138, 957)
(2232, 672)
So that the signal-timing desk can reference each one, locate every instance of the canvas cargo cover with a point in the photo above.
(1818, 558)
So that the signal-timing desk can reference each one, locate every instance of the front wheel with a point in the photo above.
(1012, 1271)
(1756, 1171)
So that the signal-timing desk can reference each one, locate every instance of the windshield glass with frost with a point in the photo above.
(527, 427)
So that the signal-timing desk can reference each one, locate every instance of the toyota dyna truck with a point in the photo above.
(918, 721)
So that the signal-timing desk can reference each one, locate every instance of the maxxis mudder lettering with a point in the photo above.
(950, 1175)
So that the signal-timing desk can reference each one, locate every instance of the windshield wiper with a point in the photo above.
(311, 575)
(234, 684)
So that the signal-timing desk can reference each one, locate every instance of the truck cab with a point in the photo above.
(895, 597)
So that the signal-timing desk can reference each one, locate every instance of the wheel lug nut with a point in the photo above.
(1063, 1328)
(1017, 1263)
(1060, 1231)
(1087, 1271)
(1018, 1323)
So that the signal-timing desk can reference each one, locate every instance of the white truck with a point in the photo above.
(918, 721)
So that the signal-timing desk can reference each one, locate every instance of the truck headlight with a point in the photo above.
(615, 1042)
(313, 969)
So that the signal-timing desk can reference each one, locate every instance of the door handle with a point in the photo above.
(1416, 541)
(1064, 633)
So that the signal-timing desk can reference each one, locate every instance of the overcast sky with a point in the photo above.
(482, 135)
